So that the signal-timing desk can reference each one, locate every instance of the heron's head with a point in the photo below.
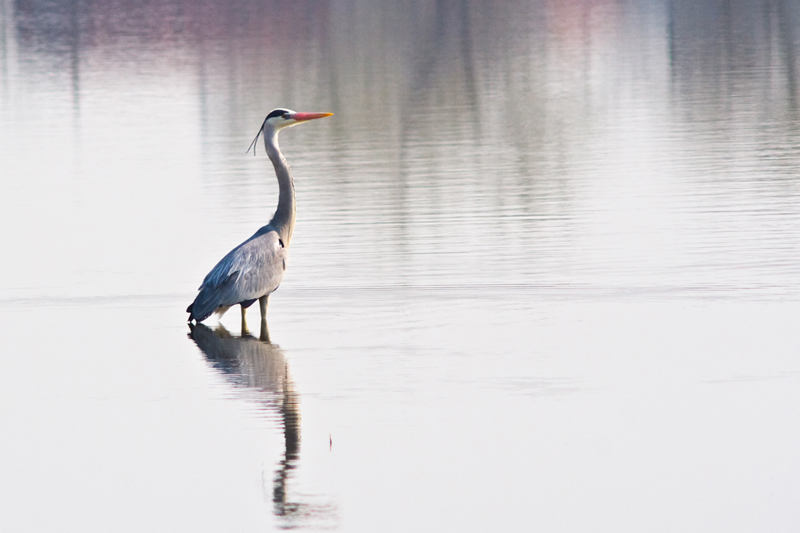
(280, 118)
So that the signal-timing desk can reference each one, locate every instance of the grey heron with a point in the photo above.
(254, 269)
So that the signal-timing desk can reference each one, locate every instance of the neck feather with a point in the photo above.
(284, 217)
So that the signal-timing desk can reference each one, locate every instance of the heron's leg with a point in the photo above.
(245, 331)
(264, 337)
(262, 303)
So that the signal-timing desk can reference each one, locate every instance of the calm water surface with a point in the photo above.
(545, 274)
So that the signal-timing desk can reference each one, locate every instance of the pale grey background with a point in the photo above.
(545, 275)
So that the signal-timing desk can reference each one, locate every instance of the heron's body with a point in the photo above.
(254, 269)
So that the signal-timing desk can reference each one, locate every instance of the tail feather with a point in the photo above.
(209, 299)
(205, 304)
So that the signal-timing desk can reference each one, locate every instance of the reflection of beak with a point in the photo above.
(302, 117)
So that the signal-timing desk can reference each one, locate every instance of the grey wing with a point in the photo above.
(249, 271)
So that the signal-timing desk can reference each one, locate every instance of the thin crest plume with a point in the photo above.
(254, 144)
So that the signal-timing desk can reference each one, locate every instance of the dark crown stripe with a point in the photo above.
(276, 113)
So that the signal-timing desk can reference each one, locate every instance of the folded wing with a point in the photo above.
(251, 270)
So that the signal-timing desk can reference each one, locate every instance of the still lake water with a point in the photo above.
(545, 274)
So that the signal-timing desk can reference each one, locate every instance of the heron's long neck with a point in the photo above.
(283, 219)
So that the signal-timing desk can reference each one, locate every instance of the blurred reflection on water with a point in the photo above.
(647, 145)
(503, 235)
(261, 368)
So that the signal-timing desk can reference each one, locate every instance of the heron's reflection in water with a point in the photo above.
(260, 366)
